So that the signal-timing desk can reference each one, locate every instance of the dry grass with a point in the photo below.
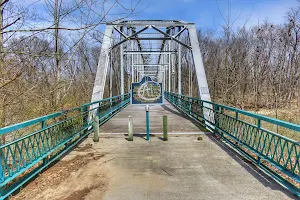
(291, 115)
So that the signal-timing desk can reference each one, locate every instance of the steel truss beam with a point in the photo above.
(172, 37)
(103, 64)
(150, 51)
(149, 38)
(158, 23)
(134, 36)
(155, 53)
(129, 37)
(140, 46)
(179, 33)
(181, 30)
(121, 33)
(150, 71)
(150, 65)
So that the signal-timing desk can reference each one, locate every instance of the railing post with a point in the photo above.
(216, 112)
(96, 128)
(84, 119)
(258, 123)
(258, 160)
(221, 110)
(236, 129)
(258, 126)
(1, 166)
(165, 128)
(130, 128)
(202, 113)
(43, 127)
(190, 106)
(99, 110)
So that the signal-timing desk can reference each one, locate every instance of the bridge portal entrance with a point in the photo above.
(164, 50)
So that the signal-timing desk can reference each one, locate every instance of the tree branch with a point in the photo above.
(4, 2)
(50, 28)
(8, 25)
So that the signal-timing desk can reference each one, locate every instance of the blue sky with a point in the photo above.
(206, 15)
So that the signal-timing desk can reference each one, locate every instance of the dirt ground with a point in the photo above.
(73, 178)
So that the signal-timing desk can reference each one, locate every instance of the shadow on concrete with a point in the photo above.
(261, 176)
(183, 115)
(161, 138)
(139, 135)
(176, 111)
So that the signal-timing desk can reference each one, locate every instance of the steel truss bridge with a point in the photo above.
(166, 51)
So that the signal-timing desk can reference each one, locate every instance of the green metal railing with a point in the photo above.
(250, 134)
(33, 145)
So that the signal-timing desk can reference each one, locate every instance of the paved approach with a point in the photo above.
(183, 168)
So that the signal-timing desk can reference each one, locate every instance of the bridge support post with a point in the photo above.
(130, 128)
(169, 67)
(122, 68)
(96, 128)
(103, 63)
(179, 69)
(165, 128)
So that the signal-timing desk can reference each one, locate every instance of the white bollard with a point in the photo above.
(130, 128)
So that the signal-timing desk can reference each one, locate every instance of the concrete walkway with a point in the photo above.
(182, 168)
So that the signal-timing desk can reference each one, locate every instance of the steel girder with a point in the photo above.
(103, 64)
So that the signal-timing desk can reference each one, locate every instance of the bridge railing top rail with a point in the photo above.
(107, 99)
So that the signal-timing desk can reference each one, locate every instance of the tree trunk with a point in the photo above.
(57, 56)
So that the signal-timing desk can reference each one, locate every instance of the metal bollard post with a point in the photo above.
(130, 128)
(96, 128)
(147, 123)
(165, 128)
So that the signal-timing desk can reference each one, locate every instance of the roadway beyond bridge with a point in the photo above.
(181, 168)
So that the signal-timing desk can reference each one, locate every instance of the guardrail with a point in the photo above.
(250, 134)
(37, 143)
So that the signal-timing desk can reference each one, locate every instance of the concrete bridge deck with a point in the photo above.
(182, 168)
(177, 122)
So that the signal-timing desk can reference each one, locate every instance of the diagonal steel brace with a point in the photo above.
(129, 37)
(172, 37)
